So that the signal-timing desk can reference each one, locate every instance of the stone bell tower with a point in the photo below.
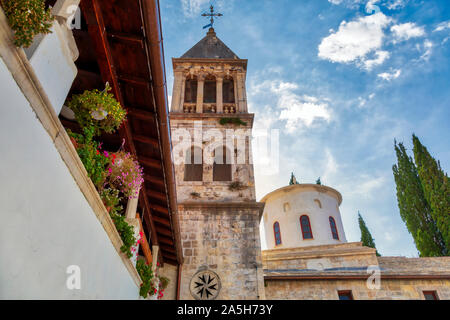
(211, 137)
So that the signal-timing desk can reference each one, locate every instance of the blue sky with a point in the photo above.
(341, 79)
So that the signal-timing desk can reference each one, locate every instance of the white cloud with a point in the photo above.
(442, 26)
(355, 40)
(427, 47)
(299, 110)
(407, 31)
(295, 109)
(363, 101)
(388, 76)
(192, 8)
(396, 4)
(381, 56)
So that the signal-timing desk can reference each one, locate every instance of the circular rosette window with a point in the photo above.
(205, 285)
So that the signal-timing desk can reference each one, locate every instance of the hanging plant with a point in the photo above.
(27, 18)
(98, 109)
(89, 152)
(125, 174)
(146, 274)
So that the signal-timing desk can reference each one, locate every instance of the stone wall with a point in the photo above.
(223, 238)
(347, 255)
(391, 289)
(170, 272)
(207, 127)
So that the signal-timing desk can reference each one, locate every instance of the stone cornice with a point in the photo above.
(212, 116)
(220, 205)
(305, 187)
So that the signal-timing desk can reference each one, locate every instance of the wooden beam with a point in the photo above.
(153, 179)
(126, 37)
(149, 162)
(140, 114)
(166, 240)
(170, 249)
(164, 231)
(134, 80)
(156, 195)
(161, 221)
(159, 208)
(144, 243)
(147, 140)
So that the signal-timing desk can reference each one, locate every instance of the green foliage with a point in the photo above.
(436, 190)
(27, 18)
(366, 237)
(318, 181)
(126, 233)
(98, 109)
(111, 199)
(195, 195)
(414, 209)
(88, 151)
(236, 186)
(235, 121)
(293, 180)
(146, 274)
(163, 282)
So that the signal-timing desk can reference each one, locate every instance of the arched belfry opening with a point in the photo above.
(190, 93)
(228, 90)
(209, 94)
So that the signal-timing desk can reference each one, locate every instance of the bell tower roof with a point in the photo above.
(210, 47)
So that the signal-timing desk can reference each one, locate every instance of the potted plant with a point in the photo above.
(125, 174)
(27, 18)
(98, 109)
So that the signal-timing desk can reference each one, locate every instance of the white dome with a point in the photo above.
(315, 205)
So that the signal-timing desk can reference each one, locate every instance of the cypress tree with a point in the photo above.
(414, 209)
(436, 189)
(366, 237)
(318, 181)
(293, 179)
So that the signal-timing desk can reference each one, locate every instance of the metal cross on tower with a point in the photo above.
(211, 15)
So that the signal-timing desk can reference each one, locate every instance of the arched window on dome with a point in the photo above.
(306, 227)
(277, 233)
(334, 231)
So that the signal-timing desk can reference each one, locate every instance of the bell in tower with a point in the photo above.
(211, 137)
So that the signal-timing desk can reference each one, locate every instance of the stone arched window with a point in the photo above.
(228, 90)
(277, 233)
(209, 91)
(306, 227)
(333, 227)
(286, 207)
(222, 164)
(193, 167)
(190, 91)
